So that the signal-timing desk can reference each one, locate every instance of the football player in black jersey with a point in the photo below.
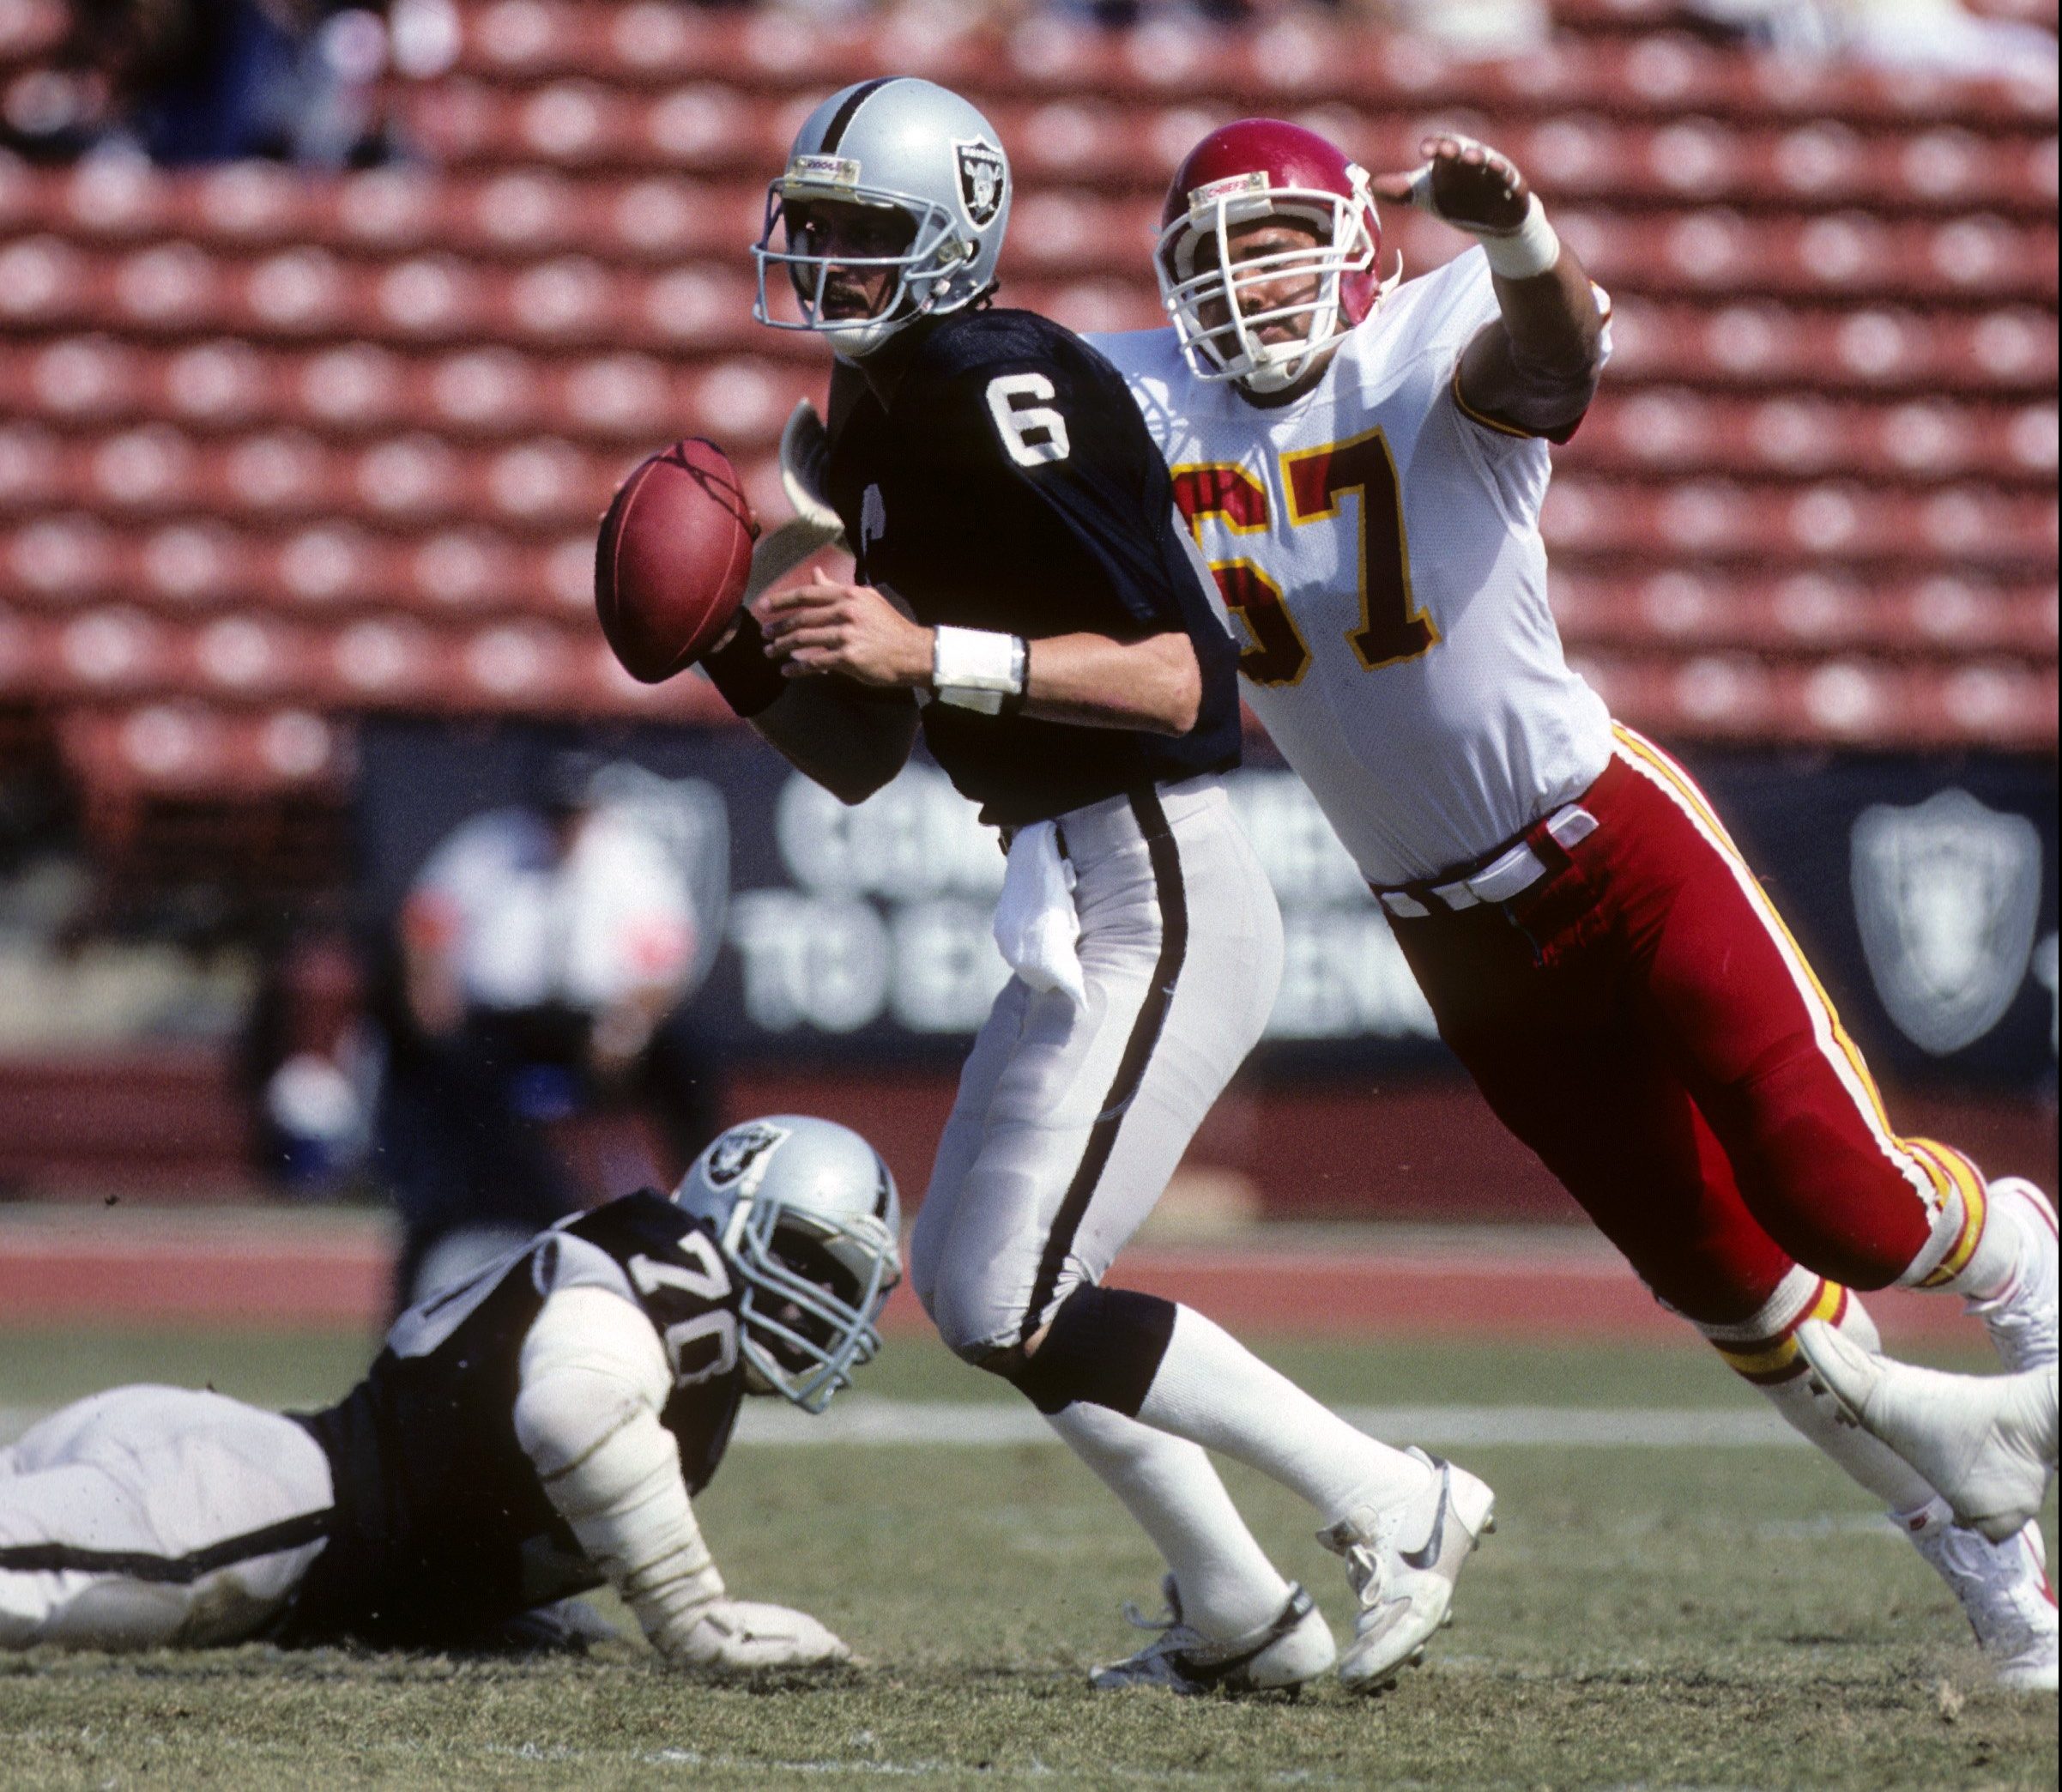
(525, 1435)
(1026, 594)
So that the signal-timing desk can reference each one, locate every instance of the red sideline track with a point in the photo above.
(113, 1268)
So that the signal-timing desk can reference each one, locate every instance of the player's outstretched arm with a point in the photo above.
(1537, 366)
(1093, 680)
(593, 1381)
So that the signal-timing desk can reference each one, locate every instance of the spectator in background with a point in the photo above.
(1941, 36)
(184, 83)
(542, 950)
(314, 1059)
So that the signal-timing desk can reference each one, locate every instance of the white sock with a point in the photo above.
(1994, 1267)
(1227, 1585)
(1875, 1465)
(1213, 1391)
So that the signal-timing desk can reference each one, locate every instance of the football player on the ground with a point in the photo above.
(1365, 464)
(525, 1435)
(1021, 568)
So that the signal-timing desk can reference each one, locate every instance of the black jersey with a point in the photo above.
(442, 1530)
(1012, 485)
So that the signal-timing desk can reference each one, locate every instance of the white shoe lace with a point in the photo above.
(2022, 1335)
(1183, 1655)
(1369, 1555)
(1173, 1635)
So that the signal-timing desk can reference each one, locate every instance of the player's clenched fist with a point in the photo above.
(825, 626)
(1464, 182)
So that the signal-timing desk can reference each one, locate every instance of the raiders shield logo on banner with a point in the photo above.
(1947, 895)
(983, 178)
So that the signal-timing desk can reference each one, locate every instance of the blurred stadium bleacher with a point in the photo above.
(279, 452)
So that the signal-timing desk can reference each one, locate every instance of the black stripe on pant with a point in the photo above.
(1146, 1030)
(176, 1571)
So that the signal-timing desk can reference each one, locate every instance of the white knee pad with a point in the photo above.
(974, 1296)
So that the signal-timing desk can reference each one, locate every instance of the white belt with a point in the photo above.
(1511, 873)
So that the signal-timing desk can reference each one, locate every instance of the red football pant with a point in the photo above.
(1642, 1019)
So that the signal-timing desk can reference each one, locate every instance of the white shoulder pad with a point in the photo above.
(563, 1261)
(594, 1378)
(597, 1341)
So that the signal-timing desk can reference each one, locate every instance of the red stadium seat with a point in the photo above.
(1804, 614)
(1674, 431)
(275, 445)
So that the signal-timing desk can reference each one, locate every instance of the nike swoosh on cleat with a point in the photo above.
(1427, 1556)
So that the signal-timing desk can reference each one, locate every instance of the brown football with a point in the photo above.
(671, 559)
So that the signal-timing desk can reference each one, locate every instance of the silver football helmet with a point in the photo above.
(806, 1215)
(907, 147)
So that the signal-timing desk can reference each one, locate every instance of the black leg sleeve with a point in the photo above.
(1104, 1345)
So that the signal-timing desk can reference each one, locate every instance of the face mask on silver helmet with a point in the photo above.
(806, 1215)
(901, 146)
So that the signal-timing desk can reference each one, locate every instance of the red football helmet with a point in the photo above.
(1255, 169)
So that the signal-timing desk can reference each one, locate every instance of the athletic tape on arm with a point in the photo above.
(594, 1378)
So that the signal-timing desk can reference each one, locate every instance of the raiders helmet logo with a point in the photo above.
(1947, 895)
(734, 1155)
(984, 182)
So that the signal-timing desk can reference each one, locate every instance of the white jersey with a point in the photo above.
(1380, 548)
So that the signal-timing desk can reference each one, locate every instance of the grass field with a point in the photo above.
(1654, 1615)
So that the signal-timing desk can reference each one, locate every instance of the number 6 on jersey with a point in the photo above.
(1034, 433)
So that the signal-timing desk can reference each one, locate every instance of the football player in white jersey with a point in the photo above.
(1363, 464)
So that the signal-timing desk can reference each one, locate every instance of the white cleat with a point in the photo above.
(2021, 1320)
(1291, 1647)
(1403, 1560)
(2004, 1595)
(1985, 1442)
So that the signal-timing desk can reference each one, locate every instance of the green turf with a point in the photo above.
(1654, 1617)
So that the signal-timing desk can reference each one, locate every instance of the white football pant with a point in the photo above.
(1069, 1121)
(146, 1516)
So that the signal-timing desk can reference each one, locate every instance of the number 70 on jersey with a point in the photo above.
(1391, 627)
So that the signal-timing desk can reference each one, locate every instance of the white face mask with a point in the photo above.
(921, 271)
(1230, 349)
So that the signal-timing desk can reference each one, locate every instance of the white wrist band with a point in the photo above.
(1530, 250)
(977, 669)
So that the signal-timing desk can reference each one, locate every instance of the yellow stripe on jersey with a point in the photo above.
(1680, 781)
(1487, 421)
(1976, 1207)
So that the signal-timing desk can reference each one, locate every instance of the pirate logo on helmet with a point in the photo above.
(739, 1149)
(983, 178)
